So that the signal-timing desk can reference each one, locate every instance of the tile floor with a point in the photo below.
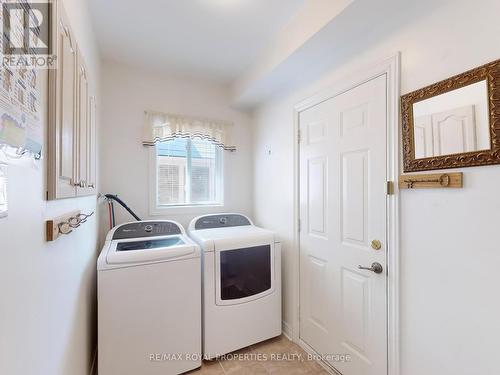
(276, 356)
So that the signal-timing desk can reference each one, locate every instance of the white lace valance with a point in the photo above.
(160, 127)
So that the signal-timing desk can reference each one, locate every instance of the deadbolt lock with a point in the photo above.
(376, 245)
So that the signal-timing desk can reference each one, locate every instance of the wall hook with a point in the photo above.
(428, 181)
(64, 225)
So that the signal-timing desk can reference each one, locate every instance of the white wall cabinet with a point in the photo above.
(71, 133)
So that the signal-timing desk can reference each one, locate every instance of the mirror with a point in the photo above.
(452, 123)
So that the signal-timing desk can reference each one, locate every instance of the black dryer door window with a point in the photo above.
(245, 272)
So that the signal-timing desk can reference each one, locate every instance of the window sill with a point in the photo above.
(188, 209)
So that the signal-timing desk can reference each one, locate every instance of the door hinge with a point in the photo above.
(390, 187)
(300, 225)
(298, 136)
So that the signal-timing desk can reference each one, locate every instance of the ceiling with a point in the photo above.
(210, 39)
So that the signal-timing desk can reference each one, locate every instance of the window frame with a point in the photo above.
(161, 209)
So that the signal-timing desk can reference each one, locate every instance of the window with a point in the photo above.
(188, 172)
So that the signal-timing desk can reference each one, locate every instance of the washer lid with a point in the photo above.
(140, 250)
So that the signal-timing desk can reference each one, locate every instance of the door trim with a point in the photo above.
(391, 68)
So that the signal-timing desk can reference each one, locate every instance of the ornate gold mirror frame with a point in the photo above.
(489, 72)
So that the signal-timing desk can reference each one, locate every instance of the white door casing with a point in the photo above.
(343, 203)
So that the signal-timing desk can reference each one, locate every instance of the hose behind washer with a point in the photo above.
(122, 203)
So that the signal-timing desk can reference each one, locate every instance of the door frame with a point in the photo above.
(391, 68)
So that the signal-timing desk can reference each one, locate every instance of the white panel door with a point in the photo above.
(342, 210)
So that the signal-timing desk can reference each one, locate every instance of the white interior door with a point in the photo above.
(343, 154)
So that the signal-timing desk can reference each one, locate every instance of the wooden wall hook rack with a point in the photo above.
(65, 224)
(431, 181)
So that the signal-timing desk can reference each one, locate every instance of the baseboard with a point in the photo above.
(93, 366)
(328, 368)
(287, 331)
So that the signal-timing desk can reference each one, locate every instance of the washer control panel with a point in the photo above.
(221, 221)
(146, 229)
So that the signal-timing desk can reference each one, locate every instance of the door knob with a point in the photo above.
(376, 245)
(376, 267)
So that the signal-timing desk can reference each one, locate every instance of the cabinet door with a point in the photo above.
(71, 140)
(84, 130)
(86, 158)
(92, 157)
(62, 124)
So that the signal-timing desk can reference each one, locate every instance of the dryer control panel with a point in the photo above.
(221, 221)
(146, 229)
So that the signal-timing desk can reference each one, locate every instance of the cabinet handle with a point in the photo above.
(81, 184)
(92, 186)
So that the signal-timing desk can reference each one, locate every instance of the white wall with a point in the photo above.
(449, 250)
(127, 93)
(47, 290)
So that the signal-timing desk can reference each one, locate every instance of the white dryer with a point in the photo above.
(149, 300)
(241, 282)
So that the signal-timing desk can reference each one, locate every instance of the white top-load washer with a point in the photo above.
(241, 282)
(149, 300)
